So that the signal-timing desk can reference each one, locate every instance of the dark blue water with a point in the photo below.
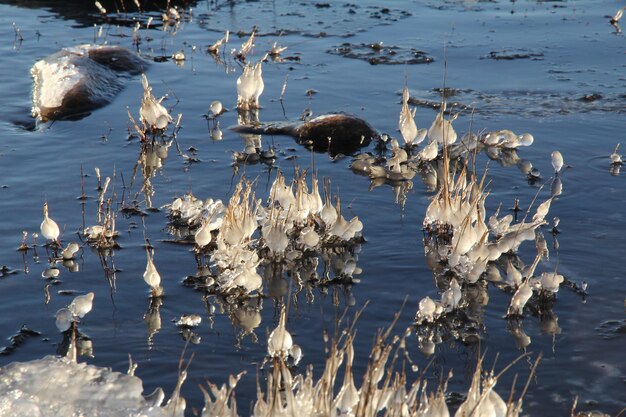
(564, 51)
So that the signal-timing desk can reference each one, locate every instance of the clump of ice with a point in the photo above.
(55, 386)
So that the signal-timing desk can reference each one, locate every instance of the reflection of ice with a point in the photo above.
(83, 344)
(151, 159)
(253, 151)
(152, 319)
(616, 162)
(522, 340)
(243, 314)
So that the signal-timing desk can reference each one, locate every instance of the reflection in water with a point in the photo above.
(151, 158)
(75, 344)
(244, 314)
(253, 151)
(152, 319)
(616, 162)
(216, 133)
(118, 13)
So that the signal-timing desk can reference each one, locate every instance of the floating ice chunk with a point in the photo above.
(64, 319)
(550, 281)
(50, 273)
(616, 159)
(499, 137)
(507, 139)
(526, 139)
(557, 161)
(427, 309)
(500, 226)
(78, 389)
(216, 108)
(69, 252)
(82, 305)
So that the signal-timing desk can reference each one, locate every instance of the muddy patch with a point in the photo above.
(510, 55)
(380, 54)
(319, 19)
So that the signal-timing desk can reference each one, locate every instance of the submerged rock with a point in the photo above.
(74, 81)
(333, 133)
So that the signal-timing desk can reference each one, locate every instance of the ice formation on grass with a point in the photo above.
(154, 116)
(49, 228)
(404, 163)
(406, 123)
(292, 231)
(456, 221)
(102, 235)
(250, 86)
(151, 276)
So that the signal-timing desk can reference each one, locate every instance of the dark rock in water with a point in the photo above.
(512, 55)
(18, 339)
(333, 133)
(75, 81)
(589, 98)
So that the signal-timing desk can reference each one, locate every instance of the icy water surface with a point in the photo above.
(554, 69)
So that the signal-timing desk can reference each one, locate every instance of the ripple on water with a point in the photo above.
(612, 329)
